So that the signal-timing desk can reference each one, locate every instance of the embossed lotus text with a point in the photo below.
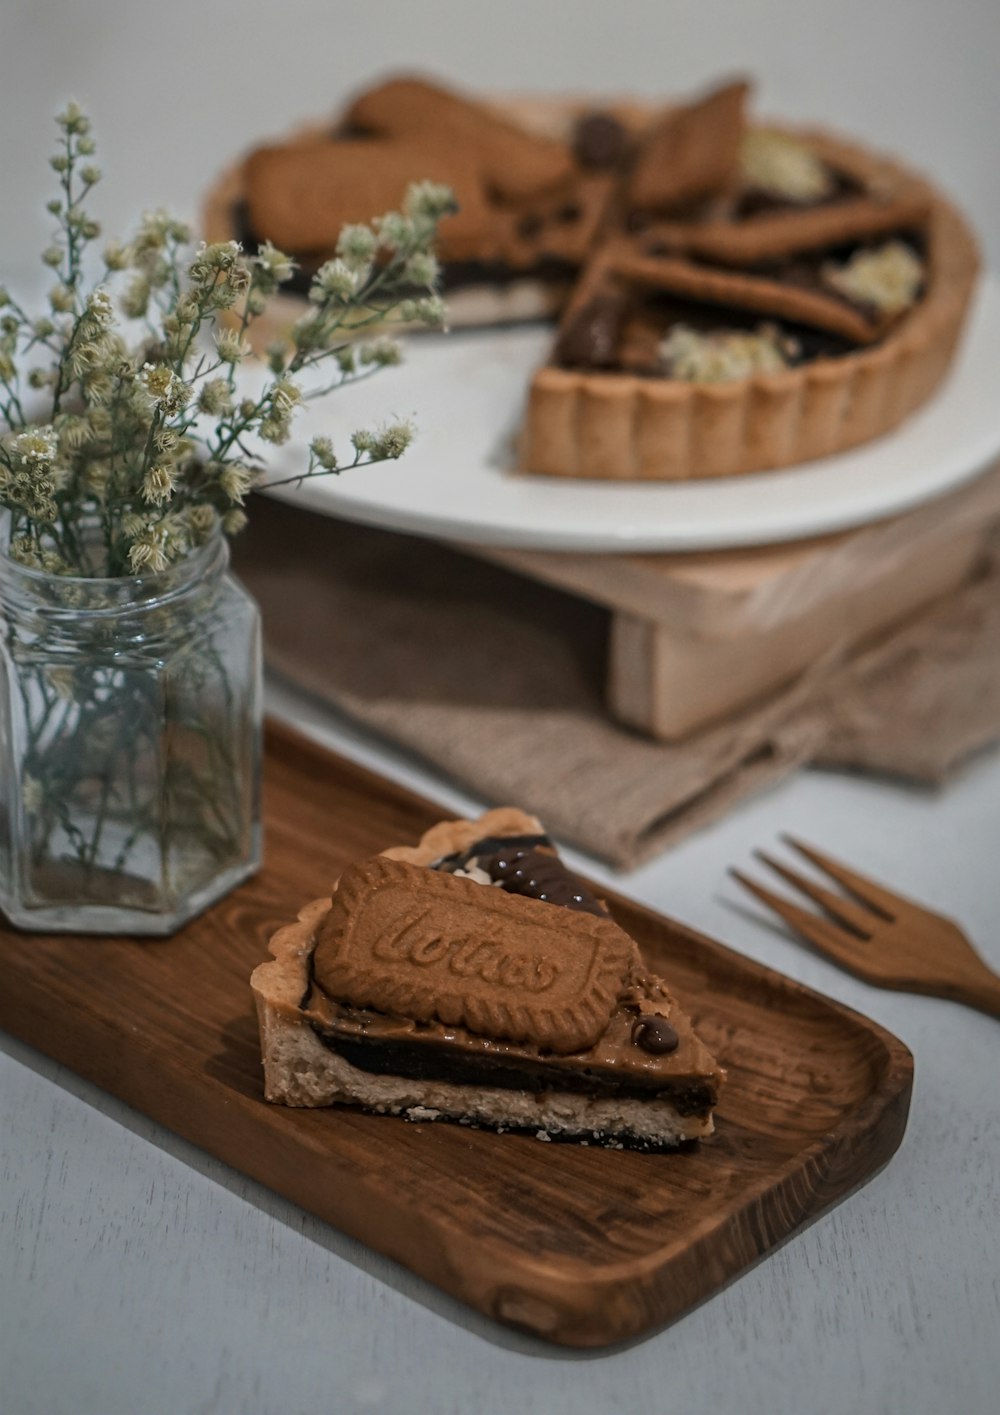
(419, 944)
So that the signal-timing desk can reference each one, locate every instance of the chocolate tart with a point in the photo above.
(472, 978)
(563, 203)
(619, 423)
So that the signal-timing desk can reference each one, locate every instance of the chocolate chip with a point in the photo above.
(569, 212)
(654, 1034)
(529, 226)
(590, 338)
(599, 140)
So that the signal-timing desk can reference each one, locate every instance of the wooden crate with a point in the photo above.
(696, 636)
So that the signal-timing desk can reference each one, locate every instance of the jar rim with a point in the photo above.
(113, 594)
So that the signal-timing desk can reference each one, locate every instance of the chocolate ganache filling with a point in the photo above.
(526, 865)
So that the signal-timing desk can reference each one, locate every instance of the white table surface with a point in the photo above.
(138, 1276)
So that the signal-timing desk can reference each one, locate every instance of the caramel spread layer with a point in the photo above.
(619, 1062)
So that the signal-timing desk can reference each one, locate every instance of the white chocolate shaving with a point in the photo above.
(887, 278)
(724, 354)
(783, 167)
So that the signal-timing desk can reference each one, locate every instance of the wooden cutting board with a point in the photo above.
(577, 1245)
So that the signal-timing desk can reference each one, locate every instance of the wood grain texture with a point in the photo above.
(578, 1245)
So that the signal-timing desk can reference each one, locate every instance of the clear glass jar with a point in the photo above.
(130, 732)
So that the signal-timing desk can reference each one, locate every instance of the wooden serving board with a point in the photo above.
(575, 1244)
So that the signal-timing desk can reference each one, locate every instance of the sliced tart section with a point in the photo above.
(473, 978)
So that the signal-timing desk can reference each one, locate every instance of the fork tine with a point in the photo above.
(842, 946)
(860, 920)
(889, 905)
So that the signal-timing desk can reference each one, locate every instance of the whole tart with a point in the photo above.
(612, 423)
(797, 295)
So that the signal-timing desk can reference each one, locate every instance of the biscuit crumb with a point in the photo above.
(422, 1112)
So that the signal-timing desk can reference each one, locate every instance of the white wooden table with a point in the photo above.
(140, 1277)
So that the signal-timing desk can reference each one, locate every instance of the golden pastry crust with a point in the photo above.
(626, 427)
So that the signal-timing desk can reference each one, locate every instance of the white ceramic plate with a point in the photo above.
(466, 393)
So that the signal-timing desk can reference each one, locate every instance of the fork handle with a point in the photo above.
(981, 992)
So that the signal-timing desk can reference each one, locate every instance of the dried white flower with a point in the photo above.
(236, 482)
(62, 299)
(285, 396)
(165, 390)
(36, 446)
(392, 440)
(274, 430)
(158, 484)
(201, 522)
(147, 552)
(135, 301)
(215, 397)
(335, 280)
(117, 256)
(382, 352)
(421, 269)
(395, 231)
(356, 246)
(430, 311)
(100, 308)
(428, 201)
(231, 346)
(322, 450)
(73, 119)
(274, 264)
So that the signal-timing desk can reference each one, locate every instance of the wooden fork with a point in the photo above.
(880, 937)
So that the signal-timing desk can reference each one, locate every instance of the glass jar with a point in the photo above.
(130, 739)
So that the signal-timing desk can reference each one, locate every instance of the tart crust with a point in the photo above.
(624, 427)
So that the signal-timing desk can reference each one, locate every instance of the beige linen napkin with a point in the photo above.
(498, 681)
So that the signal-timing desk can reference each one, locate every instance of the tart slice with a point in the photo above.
(473, 978)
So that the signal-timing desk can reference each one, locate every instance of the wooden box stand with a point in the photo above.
(696, 636)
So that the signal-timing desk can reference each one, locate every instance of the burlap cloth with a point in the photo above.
(498, 682)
